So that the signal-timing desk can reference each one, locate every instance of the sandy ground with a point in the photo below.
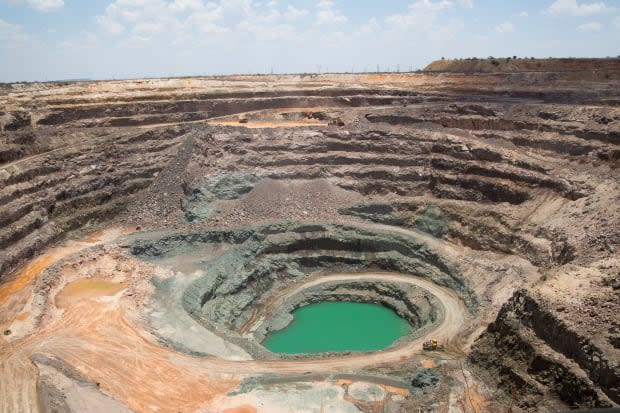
(91, 327)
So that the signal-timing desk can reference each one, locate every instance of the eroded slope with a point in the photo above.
(243, 194)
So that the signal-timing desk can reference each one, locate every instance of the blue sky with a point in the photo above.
(104, 39)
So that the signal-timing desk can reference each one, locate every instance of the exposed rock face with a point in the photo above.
(64, 390)
(266, 259)
(413, 304)
(600, 67)
(65, 188)
(480, 228)
(501, 186)
(538, 353)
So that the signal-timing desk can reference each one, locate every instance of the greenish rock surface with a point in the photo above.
(253, 261)
(174, 327)
(425, 378)
(223, 186)
(430, 219)
(432, 222)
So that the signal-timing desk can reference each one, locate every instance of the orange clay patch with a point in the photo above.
(241, 409)
(86, 288)
(95, 338)
(397, 390)
(427, 364)
(24, 276)
(23, 316)
(376, 78)
(93, 237)
(473, 401)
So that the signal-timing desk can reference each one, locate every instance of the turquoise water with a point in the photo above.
(338, 327)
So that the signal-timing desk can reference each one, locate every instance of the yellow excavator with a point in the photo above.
(432, 345)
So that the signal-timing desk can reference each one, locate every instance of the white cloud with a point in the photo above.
(39, 5)
(420, 15)
(143, 15)
(369, 27)
(205, 19)
(427, 22)
(11, 35)
(589, 27)
(505, 27)
(188, 19)
(617, 22)
(110, 25)
(574, 8)
(423, 13)
(522, 14)
(293, 13)
(327, 14)
(199, 22)
(147, 28)
(46, 5)
(86, 40)
(185, 5)
(431, 6)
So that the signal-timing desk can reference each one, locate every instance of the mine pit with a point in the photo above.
(286, 243)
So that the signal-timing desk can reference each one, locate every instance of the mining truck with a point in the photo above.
(432, 345)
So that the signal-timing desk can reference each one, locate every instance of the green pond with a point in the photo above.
(338, 327)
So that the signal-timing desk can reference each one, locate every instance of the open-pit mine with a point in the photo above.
(440, 241)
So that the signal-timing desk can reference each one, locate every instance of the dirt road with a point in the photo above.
(456, 317)
(97, 333)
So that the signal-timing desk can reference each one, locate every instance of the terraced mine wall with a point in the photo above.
(262, 259)
(450, 170)
(581, 66)
(200, 108)
(531, 348)
(515, 172)
(45, 196)
(481, 229)
(418, 307)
